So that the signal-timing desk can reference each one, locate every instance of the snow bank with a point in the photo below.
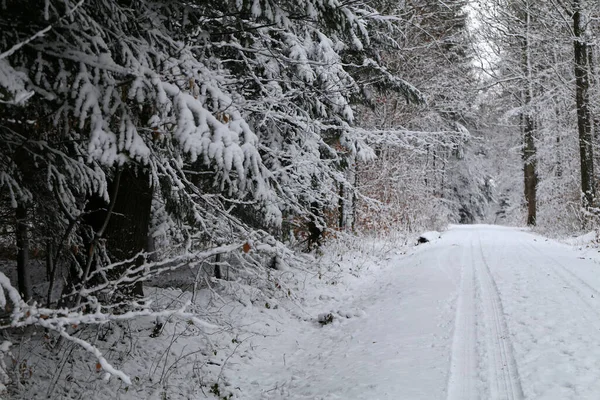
(583, 240)
(245, 327)
(429, 237)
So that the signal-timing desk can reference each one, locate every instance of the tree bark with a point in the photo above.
(354, 196)
(22, 236)
(529, 169)
(342, 208)
(528, 126)
(128, 228)
(584, 119)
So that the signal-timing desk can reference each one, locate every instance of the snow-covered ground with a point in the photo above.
(482, 312)
(485, 312)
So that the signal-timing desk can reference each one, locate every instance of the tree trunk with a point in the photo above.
(528, 127)
(584, 120)
(355, 197)
(342, 208)
(529, 169)
(22, 236)
(128, 228)
(315, 233)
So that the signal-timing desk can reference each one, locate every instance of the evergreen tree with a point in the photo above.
(193, 129)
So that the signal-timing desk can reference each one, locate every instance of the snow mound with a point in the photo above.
(329, 317)
(428, 237)
(583, 240)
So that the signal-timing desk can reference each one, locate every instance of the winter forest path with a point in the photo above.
(485, 312)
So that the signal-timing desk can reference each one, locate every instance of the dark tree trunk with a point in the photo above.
(128, 228)
(22, 236)
(342, 208)
(529, 169)
(355, 197)
(593, 106)
(427, 165)
(584, 119)
(530, 178)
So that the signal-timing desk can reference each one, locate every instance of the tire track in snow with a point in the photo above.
(569, 280)
(504, 380)
(463, 363)
(557, 324)
(574, 282)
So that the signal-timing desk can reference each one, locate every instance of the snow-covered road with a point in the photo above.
(485, 312)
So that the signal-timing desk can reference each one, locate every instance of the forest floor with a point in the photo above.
(484, 312)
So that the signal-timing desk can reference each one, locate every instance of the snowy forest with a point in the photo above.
(164, 164)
